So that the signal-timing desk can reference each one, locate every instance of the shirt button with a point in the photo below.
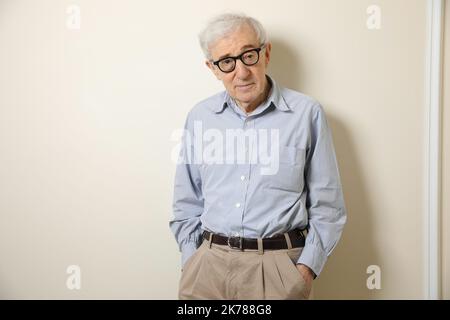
(242, 178)
(238, 205)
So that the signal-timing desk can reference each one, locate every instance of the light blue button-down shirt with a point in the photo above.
(225, 182)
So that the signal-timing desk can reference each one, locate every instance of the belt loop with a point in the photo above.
(260, 246)
(304, 232)
(210, 239)
(288, 240)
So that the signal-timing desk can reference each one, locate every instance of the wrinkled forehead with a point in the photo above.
(244, 37)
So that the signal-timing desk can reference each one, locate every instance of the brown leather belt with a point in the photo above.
(274, 243)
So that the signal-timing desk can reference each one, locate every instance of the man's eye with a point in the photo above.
(227, 61)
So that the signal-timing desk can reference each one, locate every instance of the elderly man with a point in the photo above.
(251, 225)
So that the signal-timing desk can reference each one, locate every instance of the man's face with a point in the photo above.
(245, 84)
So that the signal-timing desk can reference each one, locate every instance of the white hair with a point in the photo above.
(224, 24)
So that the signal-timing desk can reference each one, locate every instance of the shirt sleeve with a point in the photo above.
(324, 199)
(187, 198)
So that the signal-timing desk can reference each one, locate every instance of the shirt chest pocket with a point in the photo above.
(289, 176)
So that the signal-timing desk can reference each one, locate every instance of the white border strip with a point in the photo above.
(432, 144)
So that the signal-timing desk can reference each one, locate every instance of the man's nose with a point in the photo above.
(242, 71)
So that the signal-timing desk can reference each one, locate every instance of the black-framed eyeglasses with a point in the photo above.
(249, 58)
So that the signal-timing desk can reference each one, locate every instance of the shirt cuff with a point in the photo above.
(314, 257)
(187, 250)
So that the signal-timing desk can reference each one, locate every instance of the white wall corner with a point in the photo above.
(433, 84)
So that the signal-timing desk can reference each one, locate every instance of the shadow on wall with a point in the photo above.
(284, 65)
(345, 274)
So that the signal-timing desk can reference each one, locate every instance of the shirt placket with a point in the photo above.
(250, 148)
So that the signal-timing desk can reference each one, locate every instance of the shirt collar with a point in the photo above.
(275, 98)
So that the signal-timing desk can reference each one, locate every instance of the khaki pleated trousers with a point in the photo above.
(220, 272)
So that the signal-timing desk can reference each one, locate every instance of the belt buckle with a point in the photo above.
(232, 246)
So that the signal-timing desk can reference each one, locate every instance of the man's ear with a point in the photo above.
(213, 69)
(267, 53)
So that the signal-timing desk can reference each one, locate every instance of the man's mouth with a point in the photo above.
(245, 86)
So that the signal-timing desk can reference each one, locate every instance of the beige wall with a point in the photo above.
(86, 118)
(446, 159)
